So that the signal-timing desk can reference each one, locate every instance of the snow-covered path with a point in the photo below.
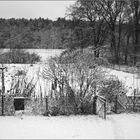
(72, 127)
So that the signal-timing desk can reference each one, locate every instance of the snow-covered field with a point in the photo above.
(32, 72)
(123, 126)
(46, 53)
(130, 80)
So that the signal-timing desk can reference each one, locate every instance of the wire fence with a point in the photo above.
(130, 104)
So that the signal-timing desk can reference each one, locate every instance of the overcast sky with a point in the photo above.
(34, 9)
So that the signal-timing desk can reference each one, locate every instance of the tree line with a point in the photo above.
(111, 28)
(112, 23)
(34, 33)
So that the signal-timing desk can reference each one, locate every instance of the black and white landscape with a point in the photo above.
(70, 69)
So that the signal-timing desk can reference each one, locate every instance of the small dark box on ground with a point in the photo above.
(19, 103)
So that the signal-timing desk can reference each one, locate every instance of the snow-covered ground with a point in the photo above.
(46, 53)
(123, 126)
(32, 72)
(130, 80)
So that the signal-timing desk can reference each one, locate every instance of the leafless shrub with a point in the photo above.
(75, 78)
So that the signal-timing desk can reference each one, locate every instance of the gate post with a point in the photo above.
(105, 110)
(3, 89)
(134, 101)
(47, 108)
(94, 105)
(116, 104)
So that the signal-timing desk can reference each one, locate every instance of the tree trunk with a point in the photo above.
(114, 46)
(96, 53)
(136, 25)
(126, 50)
(119, 41)
(115, 51)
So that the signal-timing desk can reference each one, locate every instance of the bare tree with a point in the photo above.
(135, 10)
(96, 32)
(76, 74)
(113, 12)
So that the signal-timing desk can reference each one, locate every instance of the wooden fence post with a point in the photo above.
(3, 89)
(116, 104)
(47, 108)
(94, 105)
(134, 101)
(105, 110)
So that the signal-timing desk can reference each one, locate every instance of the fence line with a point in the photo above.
(132, 104)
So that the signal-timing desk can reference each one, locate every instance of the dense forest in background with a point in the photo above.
(34, 33)
(111, 28)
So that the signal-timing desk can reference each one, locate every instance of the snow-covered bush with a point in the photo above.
(19, 56)
(8, 105)
(61, 105)
(112, 87)
(35, 106)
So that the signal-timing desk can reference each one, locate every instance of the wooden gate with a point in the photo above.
(131, 103)
(101, 107)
